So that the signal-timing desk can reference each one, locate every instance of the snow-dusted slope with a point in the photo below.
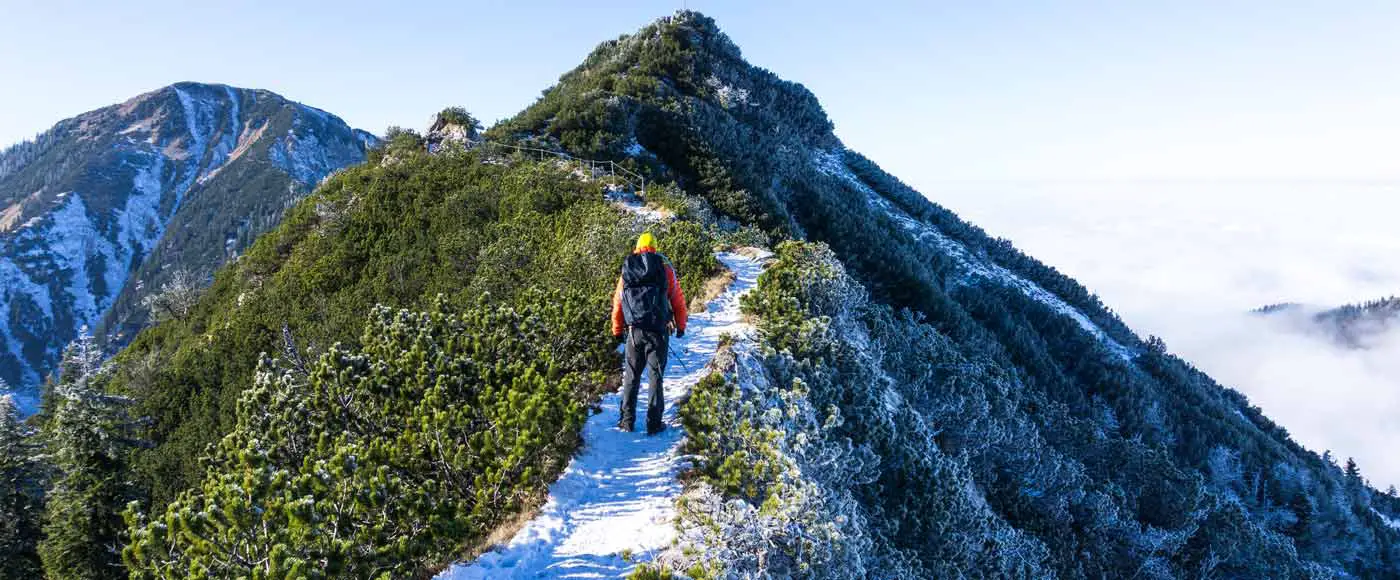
(973, 269)
(99, 209)
(616, 496)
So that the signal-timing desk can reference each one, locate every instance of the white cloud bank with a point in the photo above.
(1187, 261)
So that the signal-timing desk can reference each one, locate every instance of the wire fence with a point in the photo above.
(594, 168)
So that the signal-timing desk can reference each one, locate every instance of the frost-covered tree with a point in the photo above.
(87, 440)
(176, 297)
(792, 459)
(20, 483)
(861, 415)
(1225, 470)
(1352, 470)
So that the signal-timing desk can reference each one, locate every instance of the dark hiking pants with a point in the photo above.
(645, 349)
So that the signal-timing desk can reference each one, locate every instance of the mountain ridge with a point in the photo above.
(677, 99)
(1354, 326)
(922, 399)
(128, 193)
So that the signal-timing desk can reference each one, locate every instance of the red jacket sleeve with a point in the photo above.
(618, 324)
(677, 298)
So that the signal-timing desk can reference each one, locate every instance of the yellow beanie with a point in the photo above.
(647, 241)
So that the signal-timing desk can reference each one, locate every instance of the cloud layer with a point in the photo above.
(1187, 261)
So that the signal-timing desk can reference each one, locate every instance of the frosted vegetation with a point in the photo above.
(858, 438)
(921, 400)
(1034, 392)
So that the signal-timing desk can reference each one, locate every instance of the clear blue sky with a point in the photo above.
(935, 91)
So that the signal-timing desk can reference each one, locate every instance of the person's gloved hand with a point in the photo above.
(680, 332)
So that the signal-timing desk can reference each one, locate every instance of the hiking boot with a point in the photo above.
(654, 429)
(626, 427)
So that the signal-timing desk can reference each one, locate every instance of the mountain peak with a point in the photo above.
(178, 178)
(896, 394)
(678, 99)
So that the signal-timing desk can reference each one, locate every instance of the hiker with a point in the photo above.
(648, 305)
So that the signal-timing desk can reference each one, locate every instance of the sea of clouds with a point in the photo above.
(1189, 260)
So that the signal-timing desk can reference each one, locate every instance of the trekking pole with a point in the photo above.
(678, 359)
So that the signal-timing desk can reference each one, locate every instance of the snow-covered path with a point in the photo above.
(617, 495)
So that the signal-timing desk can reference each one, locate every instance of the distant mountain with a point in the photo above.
(102, 209)
(1354, 326)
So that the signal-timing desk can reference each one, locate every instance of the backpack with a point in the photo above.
(645, 303)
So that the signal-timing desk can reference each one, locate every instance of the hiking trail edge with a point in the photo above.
(618, 493)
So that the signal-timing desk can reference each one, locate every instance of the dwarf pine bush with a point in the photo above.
(378, 461)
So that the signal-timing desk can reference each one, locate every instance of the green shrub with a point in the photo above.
(396, 235)
(376, 460)
(459, 116)
(732, 450)
(650, 572)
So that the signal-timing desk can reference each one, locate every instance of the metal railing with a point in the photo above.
(594, 167)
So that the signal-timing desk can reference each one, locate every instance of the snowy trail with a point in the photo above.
(618, 493)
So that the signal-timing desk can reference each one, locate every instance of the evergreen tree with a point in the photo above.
(87, 445)
(1352, 470)
(1302, 509)
(19, 495)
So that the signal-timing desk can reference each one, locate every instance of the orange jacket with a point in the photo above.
(673, 292)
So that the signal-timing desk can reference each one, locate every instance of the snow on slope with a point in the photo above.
(831, 163)
(67, 251)
(630, 202)
(618, 493)
(1389, 521)
(305, 156)
(73, 255)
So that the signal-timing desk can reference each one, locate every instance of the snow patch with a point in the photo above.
(194, 152)
(72, 240)
(192, 123)
(322, 115)
(139, 222)
(55, 267)
(618, 494)
(303, 155)
(632, 203)
(298, 155)
(728, 95)
(16, 283)
(222, 152)
(972, 267)
(62, 268)
(1389, 521)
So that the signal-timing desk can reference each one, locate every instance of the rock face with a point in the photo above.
(453, 127)
(106, 206)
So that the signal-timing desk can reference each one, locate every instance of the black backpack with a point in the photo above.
(645, 304)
